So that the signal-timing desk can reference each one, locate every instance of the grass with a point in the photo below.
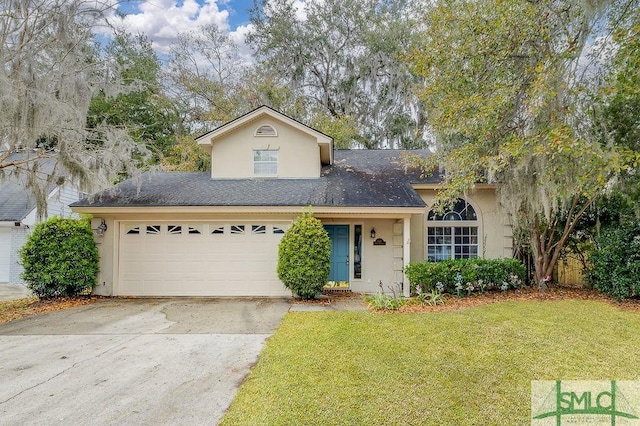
(469, 367)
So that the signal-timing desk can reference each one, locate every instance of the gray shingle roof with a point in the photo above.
(16, 200)
(358, 178)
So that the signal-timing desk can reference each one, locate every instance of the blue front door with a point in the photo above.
(339, 235)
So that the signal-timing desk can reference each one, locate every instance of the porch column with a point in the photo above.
(406, 252)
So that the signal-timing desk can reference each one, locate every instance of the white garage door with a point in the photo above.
(5, 254)
(200, 259)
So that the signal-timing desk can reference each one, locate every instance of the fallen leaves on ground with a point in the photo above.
(10, 311)
(320, 301)
(16, 309)
(453, 303)
(327, 297)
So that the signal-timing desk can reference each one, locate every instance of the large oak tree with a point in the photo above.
(342, 59)
(509, 88)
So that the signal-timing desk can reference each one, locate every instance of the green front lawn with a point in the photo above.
(464, 367)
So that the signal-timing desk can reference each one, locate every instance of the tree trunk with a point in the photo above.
(547, 246)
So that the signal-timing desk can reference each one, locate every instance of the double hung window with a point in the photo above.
(452, 234)
(265, 162)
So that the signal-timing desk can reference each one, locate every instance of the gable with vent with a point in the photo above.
(291, 149)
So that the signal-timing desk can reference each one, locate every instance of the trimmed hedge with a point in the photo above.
(60, 258)
(474, 274)
(304, 257)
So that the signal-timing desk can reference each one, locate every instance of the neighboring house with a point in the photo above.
(217, 234)
(18, 212)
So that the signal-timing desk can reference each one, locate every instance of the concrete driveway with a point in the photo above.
(10, 291)
(132, 361)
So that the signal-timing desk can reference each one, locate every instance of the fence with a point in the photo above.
(570, 271)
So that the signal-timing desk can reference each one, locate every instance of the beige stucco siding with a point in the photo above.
(418, 238)
(106, 251)
(298, 152)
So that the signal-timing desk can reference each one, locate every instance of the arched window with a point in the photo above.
(461, 211)
(452, 234)
(266, 130)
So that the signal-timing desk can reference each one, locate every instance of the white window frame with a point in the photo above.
(455, 234)
(269, 166)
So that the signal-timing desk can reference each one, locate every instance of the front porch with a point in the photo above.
(367, 252)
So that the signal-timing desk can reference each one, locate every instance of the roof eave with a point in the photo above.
(11, 223)
(253, 210)
(439, 186)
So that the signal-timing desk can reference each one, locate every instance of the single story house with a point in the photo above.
(217, 233)
(18, 210)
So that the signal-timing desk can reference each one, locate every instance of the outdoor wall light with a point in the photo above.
(102, 228)
(373, 233)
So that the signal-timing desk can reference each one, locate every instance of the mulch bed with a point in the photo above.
(453, 303)
(10, 311)
(327, 297)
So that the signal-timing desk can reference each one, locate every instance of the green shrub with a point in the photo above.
(304, 257)
(60, 258)
(615, 262)
(462, 276)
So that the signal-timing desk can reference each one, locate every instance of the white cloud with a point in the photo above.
(238, 36)
(301, 13)
(162, 20)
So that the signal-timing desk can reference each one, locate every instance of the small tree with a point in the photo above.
(60, 258)
(304, 257)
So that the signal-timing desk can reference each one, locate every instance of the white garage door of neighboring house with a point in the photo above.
(200, 259)
(5, 254)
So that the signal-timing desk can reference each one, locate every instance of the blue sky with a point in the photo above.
(239, 12)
